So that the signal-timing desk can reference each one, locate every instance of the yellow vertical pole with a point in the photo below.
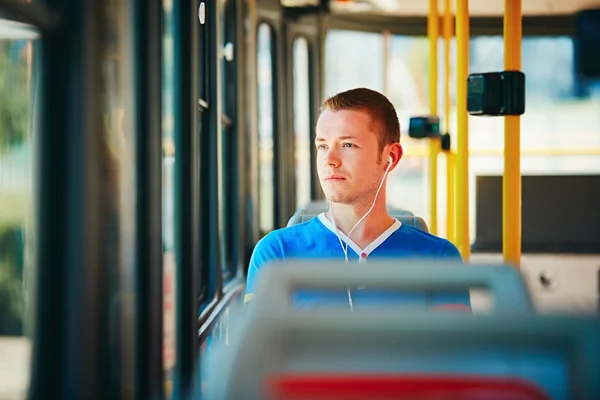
(511, 182)
(462, 162)
(433, 33)
(450, 167)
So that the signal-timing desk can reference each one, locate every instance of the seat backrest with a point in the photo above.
(556, 354)
(292, 386)
(314, 207)
(409, 220)
(319, 206)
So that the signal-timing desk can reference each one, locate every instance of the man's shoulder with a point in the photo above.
(280, 244)
(427, 242)
(289, 234)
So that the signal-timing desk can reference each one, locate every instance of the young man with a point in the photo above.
(358, 144)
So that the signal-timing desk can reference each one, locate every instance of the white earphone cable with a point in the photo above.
(345, 248)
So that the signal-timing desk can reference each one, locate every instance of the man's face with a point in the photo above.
(348, 161)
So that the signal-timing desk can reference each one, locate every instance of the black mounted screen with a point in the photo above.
(587, 43)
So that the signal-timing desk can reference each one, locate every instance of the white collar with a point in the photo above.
(363, 253)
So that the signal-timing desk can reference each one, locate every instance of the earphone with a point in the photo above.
(345, 249)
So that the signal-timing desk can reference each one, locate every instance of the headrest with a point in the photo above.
(319, 206)
(410, 220)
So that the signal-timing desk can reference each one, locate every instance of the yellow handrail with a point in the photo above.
(450, 167)
(511, 182)
(433, 28)
(462, 164)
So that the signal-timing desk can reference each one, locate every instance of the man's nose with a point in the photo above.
(332, 159)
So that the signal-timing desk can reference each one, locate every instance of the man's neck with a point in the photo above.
(370, 228)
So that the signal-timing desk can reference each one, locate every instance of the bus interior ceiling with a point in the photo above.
(477, 8)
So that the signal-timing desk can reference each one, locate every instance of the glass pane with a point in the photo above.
(363, 51)
(168, 197)
(222, 7)
(16, 214)
(227, 15)
(562, 107)
(408, 90)
(266, 123)
(230, 202)
(302, 121)
(560, 130)
(560, 125)
(203, 60)
(227, 19)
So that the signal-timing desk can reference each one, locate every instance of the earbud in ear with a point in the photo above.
(390, 160)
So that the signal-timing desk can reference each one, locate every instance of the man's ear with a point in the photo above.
(396, 153)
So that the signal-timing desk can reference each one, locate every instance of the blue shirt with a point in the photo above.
(316, 238)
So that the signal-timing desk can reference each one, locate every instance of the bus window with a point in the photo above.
(363, 51)
(229, 186)
(169, 152)
(266, 123)
(302, 121)
(408, 90)
(16, 214)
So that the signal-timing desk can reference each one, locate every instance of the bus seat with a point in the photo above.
(504, 283)
(401, 216)
(315, 207)
(399, 387)
(319, 206)
(273, 345)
